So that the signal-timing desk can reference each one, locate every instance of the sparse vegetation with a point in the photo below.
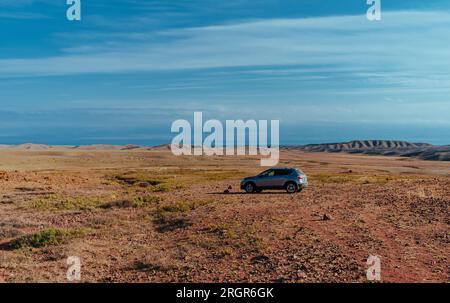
(141, 179)
(52, 236)
(141, 202)
(156, 263)
(137, 202)
(161, 188)
(167, 180)
(170, 221)
(172, 216)
(55, 203)
(348, 178)
(230, 235)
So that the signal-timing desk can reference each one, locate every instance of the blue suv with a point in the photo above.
(290, 179)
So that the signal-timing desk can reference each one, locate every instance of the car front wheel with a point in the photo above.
(249, 188)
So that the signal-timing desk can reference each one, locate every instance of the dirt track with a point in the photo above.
(148, 216)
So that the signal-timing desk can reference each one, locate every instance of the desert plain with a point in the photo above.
(134, 215)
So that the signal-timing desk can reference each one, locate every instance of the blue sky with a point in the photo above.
(130, 68)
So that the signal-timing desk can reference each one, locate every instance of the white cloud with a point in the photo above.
(409, 42)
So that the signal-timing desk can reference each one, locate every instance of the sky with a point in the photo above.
(128, 69)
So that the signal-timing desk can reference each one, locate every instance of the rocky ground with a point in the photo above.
(146, 216)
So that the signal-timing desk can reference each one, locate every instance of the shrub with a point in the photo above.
(161, 188)
(141, 202)
(54, 203)
(138, 202)
(48, 237)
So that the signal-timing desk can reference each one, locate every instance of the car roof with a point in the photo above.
(287, 168)
(284, 168)
(298, 170)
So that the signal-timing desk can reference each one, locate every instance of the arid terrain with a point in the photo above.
(147, 216)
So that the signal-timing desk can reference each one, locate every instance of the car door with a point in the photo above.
(265, 179)
(280, 178)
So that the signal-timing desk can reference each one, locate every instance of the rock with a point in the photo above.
(259, 259)
(326, 217)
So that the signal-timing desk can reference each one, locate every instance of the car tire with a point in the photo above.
(291, 188)
(250, 188)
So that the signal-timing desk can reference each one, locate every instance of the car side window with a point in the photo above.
(268, 173)
(282, 172)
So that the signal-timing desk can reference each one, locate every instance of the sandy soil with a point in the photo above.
(147, 216)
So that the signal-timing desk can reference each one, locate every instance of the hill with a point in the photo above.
(422, 151)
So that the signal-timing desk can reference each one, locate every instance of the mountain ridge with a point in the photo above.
(423, 151)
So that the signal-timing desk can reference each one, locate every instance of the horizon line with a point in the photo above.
(224, 146)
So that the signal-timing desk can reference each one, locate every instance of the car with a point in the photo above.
(290, 179)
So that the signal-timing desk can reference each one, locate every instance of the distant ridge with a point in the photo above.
(422, 151)
(37, 147)
(93, 147)
(365, 145)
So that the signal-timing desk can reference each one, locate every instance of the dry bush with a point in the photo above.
(52, 236)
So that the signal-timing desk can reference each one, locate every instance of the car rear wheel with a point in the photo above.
(291, 188)
(249, 188)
